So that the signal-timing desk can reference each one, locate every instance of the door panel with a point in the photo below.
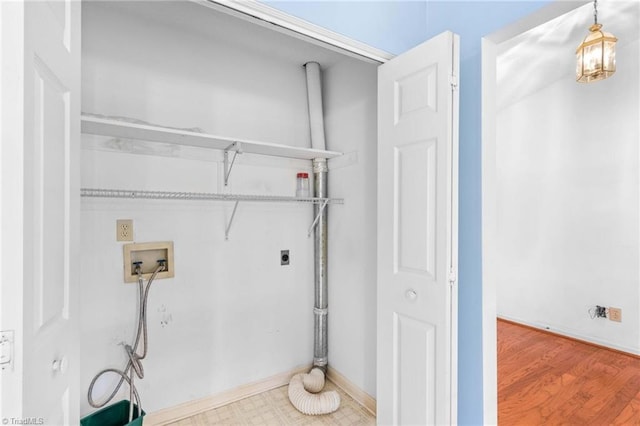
(417, 231)
(45, 134)
(415, 240)
(416, 92)
(50, 148)
(51, 347)
(414, 367)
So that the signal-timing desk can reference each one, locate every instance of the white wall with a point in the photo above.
(232, 314)
(568, 213)
(350, 99)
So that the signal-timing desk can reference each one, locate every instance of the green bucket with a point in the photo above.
(114, 415)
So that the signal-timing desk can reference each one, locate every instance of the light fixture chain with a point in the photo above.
(595, 11)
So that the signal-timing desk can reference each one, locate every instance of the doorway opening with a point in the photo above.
(560, 182)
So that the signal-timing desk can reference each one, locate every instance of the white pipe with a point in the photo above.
(312, 403)
(314, 98)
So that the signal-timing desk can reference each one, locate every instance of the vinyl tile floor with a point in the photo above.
(273, 408)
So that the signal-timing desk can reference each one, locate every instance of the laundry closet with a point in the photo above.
(232, 314)
(183, 127)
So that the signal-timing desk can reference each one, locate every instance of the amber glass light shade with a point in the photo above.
(596, 56)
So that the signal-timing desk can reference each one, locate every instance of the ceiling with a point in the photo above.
(545, 54)
(195, 18)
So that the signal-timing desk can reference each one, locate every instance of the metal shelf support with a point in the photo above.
(315, 221)
(233, 214)
(236, 147)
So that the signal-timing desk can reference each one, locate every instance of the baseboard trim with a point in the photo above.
(358, 395)
(569, 336)
(191, 408)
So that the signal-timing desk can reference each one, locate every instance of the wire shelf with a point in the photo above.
(164, 195)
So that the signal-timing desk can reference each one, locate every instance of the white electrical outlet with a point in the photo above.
(124, 230)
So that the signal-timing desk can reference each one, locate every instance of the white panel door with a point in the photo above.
(417, 235)
(40, 184)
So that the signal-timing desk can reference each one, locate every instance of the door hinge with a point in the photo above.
(452, 277)
(6, 349)
(453, 80)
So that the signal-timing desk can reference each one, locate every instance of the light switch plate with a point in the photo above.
(6, 349)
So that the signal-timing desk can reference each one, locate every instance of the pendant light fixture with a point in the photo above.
(597, 54)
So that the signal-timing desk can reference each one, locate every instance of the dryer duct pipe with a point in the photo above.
(316, 123)
(314, 98)
(304, 389)
(320, 308)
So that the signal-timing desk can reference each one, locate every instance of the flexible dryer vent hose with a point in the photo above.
(303, 394)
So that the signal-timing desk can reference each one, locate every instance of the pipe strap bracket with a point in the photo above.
(320, 165)
(320, 361)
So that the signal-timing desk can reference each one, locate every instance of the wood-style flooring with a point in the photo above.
(544, 379)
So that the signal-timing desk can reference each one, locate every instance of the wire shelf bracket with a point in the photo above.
(233, 214)
(315, 221)
(236, 147)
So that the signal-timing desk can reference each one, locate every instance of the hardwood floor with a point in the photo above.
(544, 379)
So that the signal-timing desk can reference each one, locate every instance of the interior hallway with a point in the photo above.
(551, 380)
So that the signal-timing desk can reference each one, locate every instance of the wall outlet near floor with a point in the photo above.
(124, 230)
(615, 314)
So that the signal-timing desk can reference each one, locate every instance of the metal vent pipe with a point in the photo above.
(304, 389)
(316, 123)
(320, 308)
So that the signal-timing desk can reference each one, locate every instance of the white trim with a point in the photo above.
(12, 190)
(489, 197)
(490, 49)
(270, 17)
(358, 395)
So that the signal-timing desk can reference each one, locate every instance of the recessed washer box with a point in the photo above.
(148, 254)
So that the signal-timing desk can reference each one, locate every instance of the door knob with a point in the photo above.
(411, 295)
